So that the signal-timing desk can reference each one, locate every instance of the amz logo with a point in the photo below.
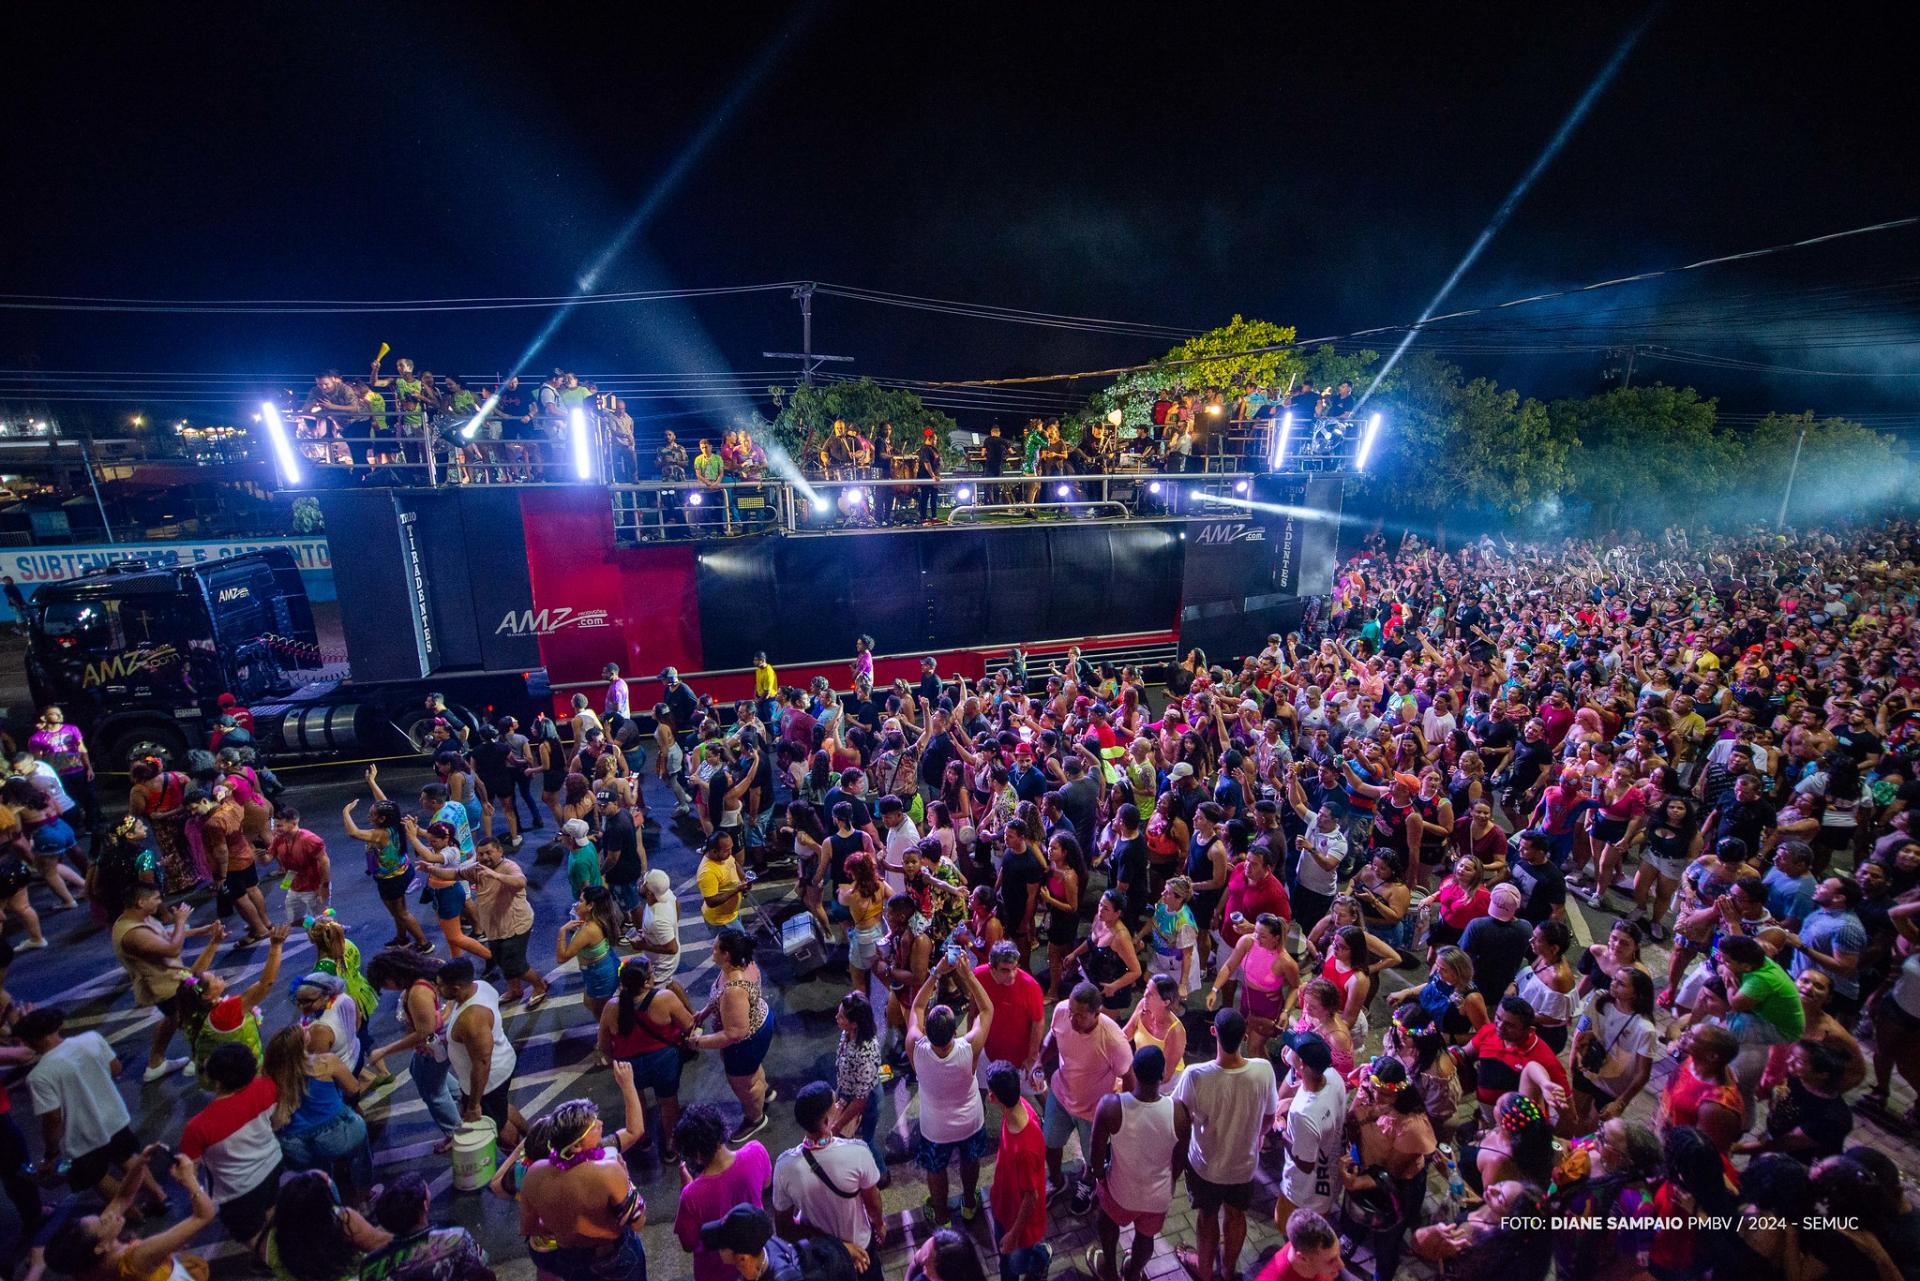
(125, 666)
(1230, 531)
(545, 622)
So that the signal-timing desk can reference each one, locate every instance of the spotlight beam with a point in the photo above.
(1512, 202)
(282, 445)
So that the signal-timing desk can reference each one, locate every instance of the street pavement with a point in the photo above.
(555, 1044)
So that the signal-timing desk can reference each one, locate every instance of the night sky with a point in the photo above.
(1144, 164)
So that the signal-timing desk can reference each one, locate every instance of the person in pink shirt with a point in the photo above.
(713, 1179)
(1085, 1055)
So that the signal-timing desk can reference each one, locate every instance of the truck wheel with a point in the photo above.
(130, 745)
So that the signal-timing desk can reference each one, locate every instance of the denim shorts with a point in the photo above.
(1057, 1123)
(659, 1071)
(601, 979)
(448, 901)
(743, 1058)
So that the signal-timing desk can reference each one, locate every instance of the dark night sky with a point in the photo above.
(1142, 163)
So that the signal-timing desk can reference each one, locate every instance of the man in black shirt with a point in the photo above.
(928, 496)
(852, 789)
(683, 706)
(1079, 800)
(1743, 816)
(620, 851)
(994, 452)
(1341, 403)
(1128, 867)
(1498, 944)
(929, 687)
(1531, 756)
(937, 755)
(1542, 885)
(1021, 874)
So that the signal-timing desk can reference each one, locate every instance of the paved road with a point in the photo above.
(555, 1043)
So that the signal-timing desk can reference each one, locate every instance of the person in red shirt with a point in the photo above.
(233, 1140)
(1018, 1197)
(1512, 1057)
(302, 855)
(1253, 891)
(1019, 1010)
(1311, 1251)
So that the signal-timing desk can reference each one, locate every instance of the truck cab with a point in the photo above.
(138, 654)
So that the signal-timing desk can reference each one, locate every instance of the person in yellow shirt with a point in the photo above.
(721, 884)
(766, 683)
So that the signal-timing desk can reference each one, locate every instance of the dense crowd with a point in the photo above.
(386, 426)
(1311, 914)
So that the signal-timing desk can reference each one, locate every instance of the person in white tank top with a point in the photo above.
(482, 1058)
(1139, 1140)
(952, 1120)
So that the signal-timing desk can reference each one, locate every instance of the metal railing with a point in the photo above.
(661, 511)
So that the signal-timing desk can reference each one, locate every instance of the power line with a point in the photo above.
(1400, 329)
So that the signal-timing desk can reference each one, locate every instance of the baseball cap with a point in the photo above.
(1311, 1048)
(1023, 749)
(658, 882)
(669, 673)
(1504, 901)
(1180, 770)
(744, 1230)
(576, 829)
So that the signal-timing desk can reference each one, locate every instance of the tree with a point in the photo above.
(1646, 455)
(1845, 469)
(806, 415)
(1453, 447)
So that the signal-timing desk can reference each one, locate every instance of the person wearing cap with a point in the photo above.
(1316, 1115)
(583, 857)
(746, 1242)
(1028, 780)
(658, 938)
(1230, 1102)
(927, 470)
(683, 706)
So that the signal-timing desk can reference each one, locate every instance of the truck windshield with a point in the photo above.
(82, 624)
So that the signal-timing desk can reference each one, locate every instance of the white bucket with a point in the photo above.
(476, 1149)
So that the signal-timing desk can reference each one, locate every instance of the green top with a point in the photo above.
(1030, 451)
(707, 466)
(1778, 1000)
(583, 868)
(409, 389)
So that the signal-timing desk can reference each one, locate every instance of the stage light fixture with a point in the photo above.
(282, 445)
(582, 444)
(1366, 443)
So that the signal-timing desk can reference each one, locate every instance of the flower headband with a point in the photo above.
(127, 827)
(325, 915)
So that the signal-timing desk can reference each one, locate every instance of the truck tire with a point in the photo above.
(152, 739)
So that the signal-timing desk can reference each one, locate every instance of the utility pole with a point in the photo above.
(809, 362)
(1632, 351)
(1780, 521)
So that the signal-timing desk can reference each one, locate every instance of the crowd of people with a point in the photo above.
(385, 428)
(1307, 922)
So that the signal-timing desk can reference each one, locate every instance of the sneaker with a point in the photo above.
(1080, 1200)
(747, 1130)
(166, 1068)
(423, 947)
(29, 945)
